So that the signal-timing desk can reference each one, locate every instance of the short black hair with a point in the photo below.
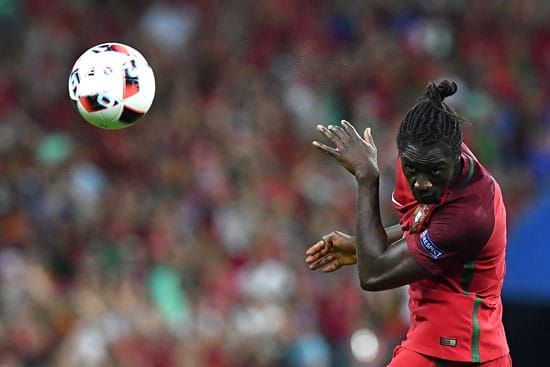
(432, 122)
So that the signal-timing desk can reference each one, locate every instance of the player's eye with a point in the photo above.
(410, 168)
(436, 172)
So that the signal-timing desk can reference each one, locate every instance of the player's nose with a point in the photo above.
(422, 183)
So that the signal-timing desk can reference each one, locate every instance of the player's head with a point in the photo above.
(429, 143)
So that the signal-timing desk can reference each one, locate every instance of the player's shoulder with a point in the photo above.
(469, 206)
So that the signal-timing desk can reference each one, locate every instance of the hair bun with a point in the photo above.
(438, 92)
(446, 88)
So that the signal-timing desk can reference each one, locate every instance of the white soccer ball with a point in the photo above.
(112, 85)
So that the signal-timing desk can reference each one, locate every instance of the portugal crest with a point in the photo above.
(419, 215)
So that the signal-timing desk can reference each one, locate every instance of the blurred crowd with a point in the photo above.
(180, 241)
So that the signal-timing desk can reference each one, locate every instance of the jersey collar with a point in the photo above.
(466, 174)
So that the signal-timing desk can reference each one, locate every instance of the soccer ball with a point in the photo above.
(111, 85)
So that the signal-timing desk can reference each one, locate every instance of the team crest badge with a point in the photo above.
(418, 217)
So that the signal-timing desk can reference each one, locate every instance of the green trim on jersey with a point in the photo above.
(469, 269)
(475, 331)
(467, 277)
(470, 173)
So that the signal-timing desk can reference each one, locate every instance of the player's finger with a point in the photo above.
(316, 247)
(338, 131)
(328, 132)
(314, 266)
(315, 255)
(334, 133)
(332, 267)
(310, 259)
(325, 148)
(348, 127)
(368, 136)
(321, 262)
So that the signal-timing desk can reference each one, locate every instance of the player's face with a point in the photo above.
(429, 171)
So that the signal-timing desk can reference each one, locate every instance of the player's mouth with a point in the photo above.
(426, 197)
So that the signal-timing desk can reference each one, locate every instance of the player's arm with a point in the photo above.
(337, 249)
(379, 266)
(393, 233)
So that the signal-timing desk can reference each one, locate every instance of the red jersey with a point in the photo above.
(456, 313)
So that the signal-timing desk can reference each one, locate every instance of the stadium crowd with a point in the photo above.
(180, 241)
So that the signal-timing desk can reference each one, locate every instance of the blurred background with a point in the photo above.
(180, 241)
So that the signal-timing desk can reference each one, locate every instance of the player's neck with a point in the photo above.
(458, 169)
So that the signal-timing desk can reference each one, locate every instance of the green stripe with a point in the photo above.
(475, 331)
(439, 364)
(467, 277)
(470, 173)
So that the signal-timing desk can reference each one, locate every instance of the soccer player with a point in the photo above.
(449, 246)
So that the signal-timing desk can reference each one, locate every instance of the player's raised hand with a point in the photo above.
(355, 153)
(335, 250)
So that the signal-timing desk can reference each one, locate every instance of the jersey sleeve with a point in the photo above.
(455, 235)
